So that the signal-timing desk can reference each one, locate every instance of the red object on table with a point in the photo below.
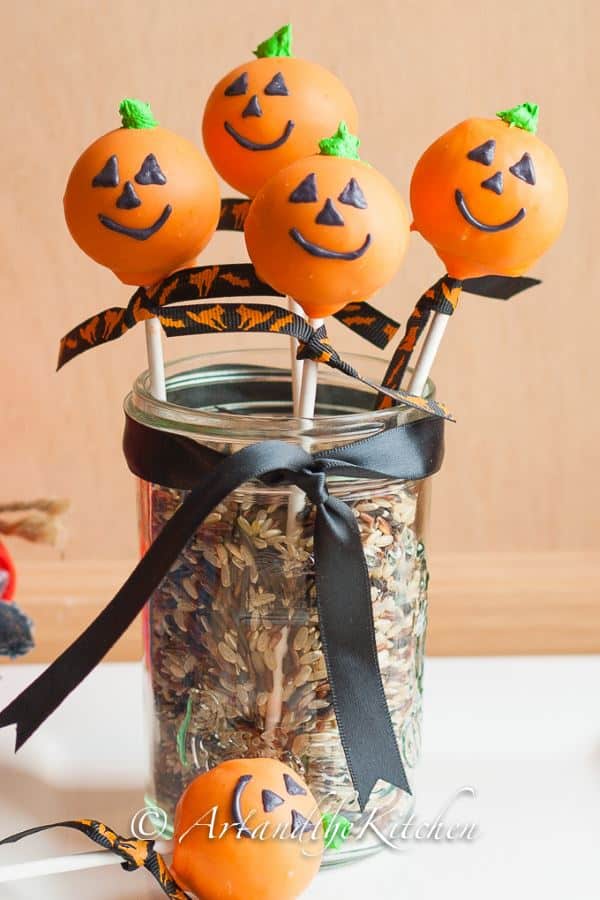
(7, 574)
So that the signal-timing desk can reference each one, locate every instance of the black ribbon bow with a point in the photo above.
(410, 451)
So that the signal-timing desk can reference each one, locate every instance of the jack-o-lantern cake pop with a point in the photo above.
(274, 852)
(491, 198)
(328, 229)
(249, 829)
(142, 200)
(271, 111)
(489, 195)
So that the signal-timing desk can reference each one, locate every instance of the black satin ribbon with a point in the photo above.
(499, 287)
(410, 451)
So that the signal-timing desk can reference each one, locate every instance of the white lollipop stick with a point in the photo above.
(296, 365)
(308, 392)
(75, 862)
(428, 353)
(156, 362)
(306, 410)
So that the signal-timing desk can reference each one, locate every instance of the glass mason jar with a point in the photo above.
(232, 644)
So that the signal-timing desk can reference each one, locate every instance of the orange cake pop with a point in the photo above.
(274, 852)
(328, 229)
(247, 830)
(489, 195)
(271, 111)
(142, 200)
(491, 198)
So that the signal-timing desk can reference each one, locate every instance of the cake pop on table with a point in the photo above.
(248, 829)
(491, 198)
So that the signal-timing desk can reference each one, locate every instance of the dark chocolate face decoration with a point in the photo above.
(150, 172)
(483, 154)
(352, 195)
(239, 87)
(271, 800)
(483, 226)
(495, 183)
(109, 175)
(306, 192)
(300, 825)
(292, 787)
(523, 169)
(252, 108)
(329, 215)
(275, 88)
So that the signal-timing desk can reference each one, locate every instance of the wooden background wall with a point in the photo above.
(520, 476)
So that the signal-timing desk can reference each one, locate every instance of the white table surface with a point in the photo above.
(523, 733)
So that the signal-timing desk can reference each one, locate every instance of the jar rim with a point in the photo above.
(218, 366)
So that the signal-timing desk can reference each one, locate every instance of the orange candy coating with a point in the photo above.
(315, 102)
(269, 866)
(191, 192)
(445, 168)
(281, 235)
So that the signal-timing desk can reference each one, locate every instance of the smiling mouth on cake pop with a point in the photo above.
(248, 144)
(324, 253)
(482, 226)
(138, 234)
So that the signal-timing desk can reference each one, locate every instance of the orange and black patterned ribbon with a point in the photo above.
(233, 213)
(201, 318)
(362, 318)
(443, 298)
(369, 323)
(135, 853)
(207, 282)
(199, 282)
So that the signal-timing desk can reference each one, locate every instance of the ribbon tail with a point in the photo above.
(415, 326)
(499, 287)
(350, 650)
(33, 706)
(105, 326)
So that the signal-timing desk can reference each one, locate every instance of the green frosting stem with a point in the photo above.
(524, 116)
(279, 44)
(342, 143)
(136, 114)
(336, 831)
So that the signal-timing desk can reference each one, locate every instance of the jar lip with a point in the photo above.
(171, 416)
